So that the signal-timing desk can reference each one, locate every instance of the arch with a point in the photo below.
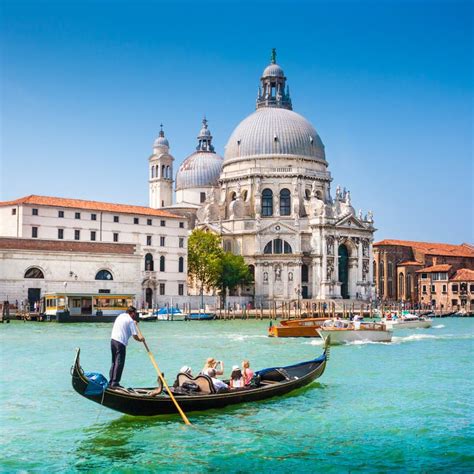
(181, 264)
(104, 275)
(307, 194)
(157, 171)
(149, 264)
(285, 202)
(162, 263)
(409, 284)
(152, 171)
(277, 246)
(233, 196)
(401, 281)
(319, 194)
(34, 272)
(267, 202)
(163, 171)
(343, 266)
(245, 195)
(168, 172)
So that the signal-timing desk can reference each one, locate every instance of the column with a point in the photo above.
(385, 275)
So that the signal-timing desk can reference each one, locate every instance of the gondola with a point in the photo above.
(267, 383)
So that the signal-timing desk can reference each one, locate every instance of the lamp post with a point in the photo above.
(298, 293)
(65, 296)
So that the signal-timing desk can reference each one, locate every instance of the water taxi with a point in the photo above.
(296, 327)
(343, 332)
(84, 307)
(409, 321)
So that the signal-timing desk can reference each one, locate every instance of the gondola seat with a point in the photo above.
(202, 381)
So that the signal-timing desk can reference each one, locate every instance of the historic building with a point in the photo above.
(401, 266)
(270, 199)
(50, 244)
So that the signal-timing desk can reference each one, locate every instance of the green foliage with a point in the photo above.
(204, 258)
(234, 272)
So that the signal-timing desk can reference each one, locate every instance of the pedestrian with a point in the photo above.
(124, 327)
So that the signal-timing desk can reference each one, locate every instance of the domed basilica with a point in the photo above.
(270, 200)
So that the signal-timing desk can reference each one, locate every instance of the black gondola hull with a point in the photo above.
(142, 405)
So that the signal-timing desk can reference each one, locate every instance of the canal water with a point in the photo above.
(407, 405)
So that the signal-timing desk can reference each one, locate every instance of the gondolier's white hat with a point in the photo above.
(235, 367)
(185, 369)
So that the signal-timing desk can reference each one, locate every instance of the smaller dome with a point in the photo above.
(273, 70)
(201, 169)
(161, 141)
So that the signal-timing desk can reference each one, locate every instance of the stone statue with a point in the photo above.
(338, 192)
(313, 188)
(290, 276)
(330, 245)
(370, 217)
(277, 273)
(360, 214)
(265, 276)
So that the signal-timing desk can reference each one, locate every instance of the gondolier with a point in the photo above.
(124, 327)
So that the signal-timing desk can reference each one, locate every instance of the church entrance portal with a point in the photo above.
(343, 256)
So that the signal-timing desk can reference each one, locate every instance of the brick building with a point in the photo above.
(400, 264)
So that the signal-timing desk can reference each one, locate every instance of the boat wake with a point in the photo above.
(314, 342)
(243, 337)
(424, 337)
(439, 326)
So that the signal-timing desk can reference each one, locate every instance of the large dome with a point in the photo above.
(201, 169)
(274, 131)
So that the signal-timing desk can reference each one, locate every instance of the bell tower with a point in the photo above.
(160, 165)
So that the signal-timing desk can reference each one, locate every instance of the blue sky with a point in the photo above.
(387, 85)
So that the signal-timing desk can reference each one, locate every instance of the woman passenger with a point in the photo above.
(247, 372)
(212, 363)
(236, 378)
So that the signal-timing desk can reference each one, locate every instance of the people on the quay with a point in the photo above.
(124, 328)
(236, 378)
(247, 372)
(212, 363)
(219, 385)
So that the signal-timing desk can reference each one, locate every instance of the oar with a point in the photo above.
(160, 375)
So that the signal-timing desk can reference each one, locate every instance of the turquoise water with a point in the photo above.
(402, 406)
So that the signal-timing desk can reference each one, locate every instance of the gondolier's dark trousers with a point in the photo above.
(118, 361)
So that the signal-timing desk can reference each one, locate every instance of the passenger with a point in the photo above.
(184, 370)
(212, 363)
(219, 385)
(236, 378)
(247, 372)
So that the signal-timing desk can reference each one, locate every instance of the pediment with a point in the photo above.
(350, 222)
(276, 228)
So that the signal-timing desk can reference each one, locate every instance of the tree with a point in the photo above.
(204, 259)
(233, 272)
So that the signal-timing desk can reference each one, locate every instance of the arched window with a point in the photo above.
(162, 263)
(390, 270)
(381, 270)
(277, 246)
(104, 275)
(157, 171)
(149, 266)
(34, 272)
(267, 203)
(168, 172)
(181, 264)
(304, 273)
(233, 196)
(285, 202)
(408, 292)
(307, 194)
(401, 281)
(163, 171)
(152, 171)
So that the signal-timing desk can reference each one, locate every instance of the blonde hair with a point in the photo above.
(245, 364)
(210, 363)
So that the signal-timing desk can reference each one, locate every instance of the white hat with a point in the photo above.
(235, 367)
(185, 369)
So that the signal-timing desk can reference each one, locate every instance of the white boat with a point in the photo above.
(343, 332)
(409, 321)
(169, 314)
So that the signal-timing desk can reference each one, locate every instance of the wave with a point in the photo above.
(421, 337)
(439, 326)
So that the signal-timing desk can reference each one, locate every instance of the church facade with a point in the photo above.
(270, 200)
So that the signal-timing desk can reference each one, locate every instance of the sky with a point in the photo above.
(387, 84)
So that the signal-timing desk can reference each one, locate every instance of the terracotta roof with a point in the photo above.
(463, 250)
(436, 268)
(409, 263)
(90, 205)
(463, 274)
(65, 246)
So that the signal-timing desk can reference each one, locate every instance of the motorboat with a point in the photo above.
(296, 327)
(169, 314)
(409, 321)
(200, 316)
(344, 331)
